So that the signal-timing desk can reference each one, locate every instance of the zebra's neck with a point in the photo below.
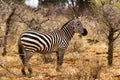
(68, 31)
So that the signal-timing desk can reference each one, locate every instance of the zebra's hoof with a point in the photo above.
(58, 69)
(24, 73)
(30, 75)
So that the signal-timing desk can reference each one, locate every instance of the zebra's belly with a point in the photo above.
(47, 51)
(41, 51)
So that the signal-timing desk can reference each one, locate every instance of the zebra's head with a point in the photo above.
(78, 28)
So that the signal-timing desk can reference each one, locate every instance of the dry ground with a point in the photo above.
(90, 64)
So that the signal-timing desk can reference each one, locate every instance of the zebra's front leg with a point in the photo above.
(60, 57)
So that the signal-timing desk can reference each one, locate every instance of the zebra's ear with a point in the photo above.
(84, 32)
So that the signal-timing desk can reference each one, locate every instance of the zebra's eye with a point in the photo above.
(78, 24)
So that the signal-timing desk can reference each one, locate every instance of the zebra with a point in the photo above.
(56, 41)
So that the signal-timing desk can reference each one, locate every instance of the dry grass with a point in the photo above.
(87, 65)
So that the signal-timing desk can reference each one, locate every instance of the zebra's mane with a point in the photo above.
(66, 24)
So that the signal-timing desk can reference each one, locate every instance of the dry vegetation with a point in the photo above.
(78, 65)
(85, 59)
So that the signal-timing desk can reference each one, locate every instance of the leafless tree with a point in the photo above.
(78, 7)
(112, 21)
(109, 19)
(9, 11)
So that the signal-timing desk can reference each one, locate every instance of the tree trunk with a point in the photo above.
(75, 9)
(7, 31)
(110, 46)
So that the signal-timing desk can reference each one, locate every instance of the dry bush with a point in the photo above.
(89, 69)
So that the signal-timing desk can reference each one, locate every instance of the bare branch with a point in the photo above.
(105, 33)
(74, 9)
(8, 70)
(7, 30)
(117, 36)
(39, 24)
(116, 30)
(4, 36)
(22, 20)
(44, 21)
(107, 22)
(33, 23)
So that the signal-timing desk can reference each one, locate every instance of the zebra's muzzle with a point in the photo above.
(84, 32)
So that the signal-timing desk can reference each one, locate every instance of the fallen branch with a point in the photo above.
(4, 36)
(8, 70)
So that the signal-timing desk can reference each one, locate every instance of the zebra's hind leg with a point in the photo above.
(22, 56)
(28, 56)
(25, 59)
(29, 70)
(23, 71)
(60, 56)
(27, 65)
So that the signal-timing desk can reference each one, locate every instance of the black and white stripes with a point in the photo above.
(56, 41)
(36, 41)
